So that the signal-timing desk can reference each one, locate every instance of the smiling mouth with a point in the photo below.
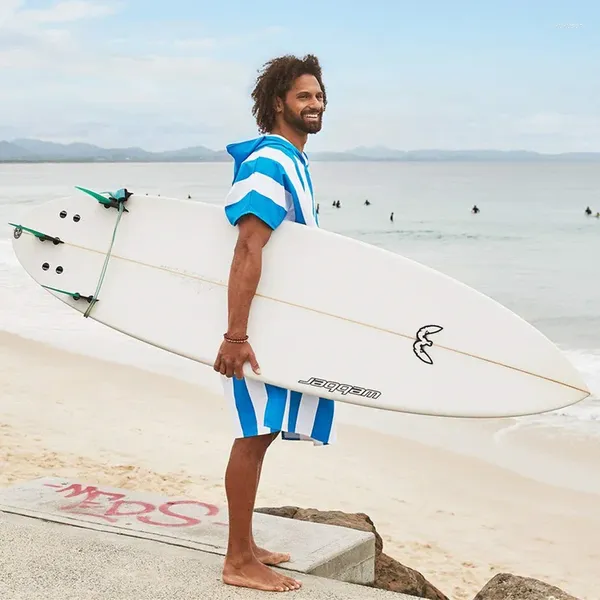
(312, 116)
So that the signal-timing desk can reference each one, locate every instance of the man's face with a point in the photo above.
(303, 106)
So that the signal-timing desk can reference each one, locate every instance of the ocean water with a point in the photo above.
(531, 247)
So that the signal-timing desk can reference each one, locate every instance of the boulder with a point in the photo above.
(505, 586)
(389, 573)
(395, 577)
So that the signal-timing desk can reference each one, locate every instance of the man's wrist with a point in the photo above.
(234, 332)
(235, 337)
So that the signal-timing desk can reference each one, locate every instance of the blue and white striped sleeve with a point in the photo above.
(260, 189)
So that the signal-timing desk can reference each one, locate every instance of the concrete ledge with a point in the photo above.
(324, 550)
(41, 559)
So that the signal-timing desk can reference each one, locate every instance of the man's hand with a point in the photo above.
(232, 357)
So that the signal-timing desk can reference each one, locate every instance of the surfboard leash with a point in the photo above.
(110, 200)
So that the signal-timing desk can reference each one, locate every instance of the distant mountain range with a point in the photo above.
(26, 150)
(29, 150)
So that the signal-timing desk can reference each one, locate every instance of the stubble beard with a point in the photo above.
(301, 124)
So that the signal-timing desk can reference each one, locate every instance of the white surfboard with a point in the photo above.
(332, 316)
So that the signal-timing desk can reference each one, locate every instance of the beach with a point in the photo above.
(457, 519)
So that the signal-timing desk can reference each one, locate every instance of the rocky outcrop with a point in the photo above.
(389, 573)
(505, 586)
(396, 577)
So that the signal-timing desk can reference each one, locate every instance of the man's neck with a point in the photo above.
(293, 136)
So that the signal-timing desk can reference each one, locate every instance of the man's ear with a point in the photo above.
(278, 104)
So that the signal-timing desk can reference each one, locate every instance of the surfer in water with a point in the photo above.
(271, 184)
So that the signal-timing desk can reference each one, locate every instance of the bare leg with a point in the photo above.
(242, 567)
(266, 556)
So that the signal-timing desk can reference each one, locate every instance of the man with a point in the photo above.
(271, 184)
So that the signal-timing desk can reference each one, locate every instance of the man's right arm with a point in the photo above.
(245, 272)
(256, 205)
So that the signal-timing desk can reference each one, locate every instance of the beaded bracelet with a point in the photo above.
(235, 340)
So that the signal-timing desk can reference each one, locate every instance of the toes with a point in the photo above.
(292, 584)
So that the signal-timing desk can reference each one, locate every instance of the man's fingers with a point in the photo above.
(254, 363)
(235, 367)
(238, 369)
(229, 369)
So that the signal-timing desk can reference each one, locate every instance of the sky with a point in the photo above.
(409, 75)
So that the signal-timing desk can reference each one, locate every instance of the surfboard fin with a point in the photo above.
(19, 229)
(74, 295)
(113, 200)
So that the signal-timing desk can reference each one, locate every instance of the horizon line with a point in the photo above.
(345, 151)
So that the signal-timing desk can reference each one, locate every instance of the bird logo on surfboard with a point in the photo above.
(422, 342)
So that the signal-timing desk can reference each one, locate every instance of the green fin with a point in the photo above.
(74, 295)
(102, 199)
(37, 234)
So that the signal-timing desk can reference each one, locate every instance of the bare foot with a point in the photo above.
(253, 574)
(270, 558)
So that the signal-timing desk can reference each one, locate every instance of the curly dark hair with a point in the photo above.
(275, 79)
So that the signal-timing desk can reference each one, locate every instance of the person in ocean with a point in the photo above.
(271, 184)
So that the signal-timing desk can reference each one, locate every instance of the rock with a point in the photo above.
(395, 577)
(389, 573)
(283, 511)
(505, 586)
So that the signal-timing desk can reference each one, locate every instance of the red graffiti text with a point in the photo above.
(115, 507)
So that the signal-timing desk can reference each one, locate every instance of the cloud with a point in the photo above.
(63, 81)
(13, 15)
(553, 123)
(79, 70)
(410, 129)
(29, 38)
(8, 9)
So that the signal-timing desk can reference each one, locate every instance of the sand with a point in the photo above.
(456, 519)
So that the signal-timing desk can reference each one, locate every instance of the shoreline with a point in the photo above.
(455, 518)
